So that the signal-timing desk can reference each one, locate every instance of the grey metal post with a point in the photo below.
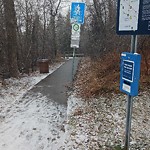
(128, 121)
(130, 99)
(74, 49)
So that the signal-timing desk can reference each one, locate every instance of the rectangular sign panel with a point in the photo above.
(128, 15)
(77, 12)
(75, 35)
(74, 43)
(75, 30)
(130, 73)
(133, 17)
(128, 70)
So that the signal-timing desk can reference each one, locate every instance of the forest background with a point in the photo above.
(41, 29)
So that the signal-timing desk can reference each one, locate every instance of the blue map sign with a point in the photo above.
(77, 12)
(133, 17)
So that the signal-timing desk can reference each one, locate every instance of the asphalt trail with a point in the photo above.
(55, 86)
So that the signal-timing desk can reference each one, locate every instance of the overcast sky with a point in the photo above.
(66, 5)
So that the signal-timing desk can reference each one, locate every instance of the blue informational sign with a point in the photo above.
(77, 12)
(130, 73)
(133, 17)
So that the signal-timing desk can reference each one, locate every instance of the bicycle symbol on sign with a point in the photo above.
(77, 10)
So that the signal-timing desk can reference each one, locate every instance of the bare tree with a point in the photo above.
(54, 6)
(63, 32)
(11, 28)
(3, 50)
(101, 29)
(27, 20)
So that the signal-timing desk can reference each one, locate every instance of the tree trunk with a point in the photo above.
(54, 46)
(11, 24)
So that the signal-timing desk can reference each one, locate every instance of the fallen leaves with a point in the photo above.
(97, 77)
(100, 123)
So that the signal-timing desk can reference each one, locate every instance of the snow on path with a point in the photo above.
(99, 124)
(14, 89)
(30, 122)
(36, 123)
(33, 122)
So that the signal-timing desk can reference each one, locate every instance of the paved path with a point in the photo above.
(55, 85)
(35, 121)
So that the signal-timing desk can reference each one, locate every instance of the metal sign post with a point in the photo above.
(130, 99)
(74, 49)
(76, 18)
(132, 19)
(128, 121)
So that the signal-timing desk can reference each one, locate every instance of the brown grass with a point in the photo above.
(102, 76)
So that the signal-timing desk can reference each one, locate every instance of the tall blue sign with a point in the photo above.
(77, 12)
(133, 17)
(130, 73)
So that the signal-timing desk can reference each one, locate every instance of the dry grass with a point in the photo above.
(102, 76)
(98, 76)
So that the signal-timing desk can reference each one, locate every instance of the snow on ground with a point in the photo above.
(14, 89)
(99, 124)
(36, 123)
(30, 121)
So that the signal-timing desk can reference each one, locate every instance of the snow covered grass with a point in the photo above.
(14, 89)
(34, 124)
(99, 124)
(30, 121)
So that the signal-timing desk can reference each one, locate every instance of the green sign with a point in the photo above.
(76, 27)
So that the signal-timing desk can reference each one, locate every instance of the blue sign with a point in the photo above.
(130, 73)
(77, 12)
(133, 17)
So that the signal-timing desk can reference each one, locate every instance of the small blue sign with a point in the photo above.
(130, 73)
(77, 12)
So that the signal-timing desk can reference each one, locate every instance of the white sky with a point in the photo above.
(66, 5)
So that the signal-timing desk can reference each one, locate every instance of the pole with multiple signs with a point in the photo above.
(76, 18)
(132, 19)
(129, 82)
(130, 99)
